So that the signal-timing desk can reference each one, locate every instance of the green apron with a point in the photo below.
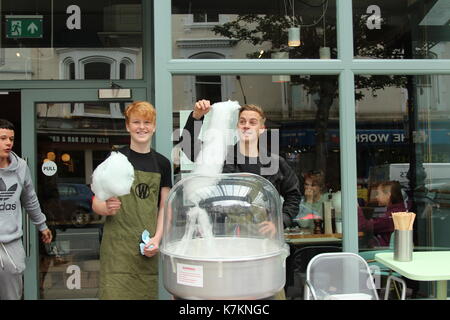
(124, 272)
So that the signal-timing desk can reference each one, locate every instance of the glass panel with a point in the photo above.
(209, 86)
(12, 114)
(76, 138)
(206, 17)
(401, 29)
(123, 71)
(254, 29)
(72, 71)
(403, 141)
(303, 127)
(97, 70)
(54, 40)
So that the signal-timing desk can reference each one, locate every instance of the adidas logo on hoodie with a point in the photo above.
(5, 194)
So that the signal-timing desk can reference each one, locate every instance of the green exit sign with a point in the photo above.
(24, 26)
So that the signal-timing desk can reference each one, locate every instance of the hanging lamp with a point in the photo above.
(280, 78)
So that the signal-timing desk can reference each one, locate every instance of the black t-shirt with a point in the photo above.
(146, 162)
(250, 165)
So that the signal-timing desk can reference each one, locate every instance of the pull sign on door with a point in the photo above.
(49, 168)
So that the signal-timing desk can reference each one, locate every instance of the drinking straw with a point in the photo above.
(395, 221)
(401, 220)
(413, 216)
(406, 218)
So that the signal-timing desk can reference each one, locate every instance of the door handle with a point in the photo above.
(27, 242)
(27, 236)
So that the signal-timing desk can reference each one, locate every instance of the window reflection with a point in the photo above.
(97, 70)
(76, 137)
(401, 29)
(403, 138)
(303, 127)
(303, 111)
(255, 30)
(70, 34)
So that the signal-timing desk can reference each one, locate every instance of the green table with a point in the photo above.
(425, 266)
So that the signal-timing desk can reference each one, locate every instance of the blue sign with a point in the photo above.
(307, 137)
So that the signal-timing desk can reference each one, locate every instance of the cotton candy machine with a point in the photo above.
(223, 238)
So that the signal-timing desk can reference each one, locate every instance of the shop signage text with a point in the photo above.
(380, 137)
(79, 139)
(308, 137)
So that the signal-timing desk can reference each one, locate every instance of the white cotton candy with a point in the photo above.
(216, 138)
(208, 167)
(113, 177)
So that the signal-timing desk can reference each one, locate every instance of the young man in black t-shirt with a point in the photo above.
(124, 272)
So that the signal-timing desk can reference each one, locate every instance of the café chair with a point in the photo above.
(296, 265)
(341, 276)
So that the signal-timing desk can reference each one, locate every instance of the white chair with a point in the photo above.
(341, 276)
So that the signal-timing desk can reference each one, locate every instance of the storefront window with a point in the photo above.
(52, 40)
(303, 127)
(403, 147)
(306, 117)
(72, 140)
(255, 29)
(401, 29)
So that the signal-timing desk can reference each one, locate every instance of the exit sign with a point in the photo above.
(21, 26)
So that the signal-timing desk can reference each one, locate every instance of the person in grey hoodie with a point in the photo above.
(16, 190)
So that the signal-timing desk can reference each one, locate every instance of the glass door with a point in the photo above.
(70, 133)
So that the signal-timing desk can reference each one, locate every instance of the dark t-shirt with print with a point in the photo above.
(146, 162)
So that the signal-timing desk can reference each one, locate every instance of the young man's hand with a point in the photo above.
(268, 228)
(113, 205)
(201, 108)
(46, 236)
(151, 248)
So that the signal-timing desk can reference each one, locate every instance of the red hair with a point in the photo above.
(142, 109)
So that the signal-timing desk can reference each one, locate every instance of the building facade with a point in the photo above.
(353, 100)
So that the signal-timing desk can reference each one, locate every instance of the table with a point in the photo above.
(311, 238)
(301, 238)
(425, 266)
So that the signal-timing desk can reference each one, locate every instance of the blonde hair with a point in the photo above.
(253, 107)
(143, 109)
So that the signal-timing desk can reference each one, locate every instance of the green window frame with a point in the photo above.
(346, 67)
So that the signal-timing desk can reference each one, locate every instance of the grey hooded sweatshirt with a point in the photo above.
(16, 190)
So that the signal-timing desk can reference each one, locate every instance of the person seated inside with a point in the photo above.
(389, 199)
(311, 204)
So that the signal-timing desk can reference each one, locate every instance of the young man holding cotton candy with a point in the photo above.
(250, 155)
(124, 272)
(16, 191)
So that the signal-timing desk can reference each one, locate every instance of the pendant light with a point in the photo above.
(294, 37)
(294, 31)
(324, 52)
(280, 78)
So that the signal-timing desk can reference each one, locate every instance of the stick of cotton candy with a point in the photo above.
(113, 177)
(208, 166)
(209, 162)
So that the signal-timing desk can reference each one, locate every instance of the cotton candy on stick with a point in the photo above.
(209, 162)
(113, 177)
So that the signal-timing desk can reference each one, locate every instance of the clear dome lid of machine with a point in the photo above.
(223, 217)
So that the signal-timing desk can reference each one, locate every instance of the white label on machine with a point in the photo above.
(190, 275)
